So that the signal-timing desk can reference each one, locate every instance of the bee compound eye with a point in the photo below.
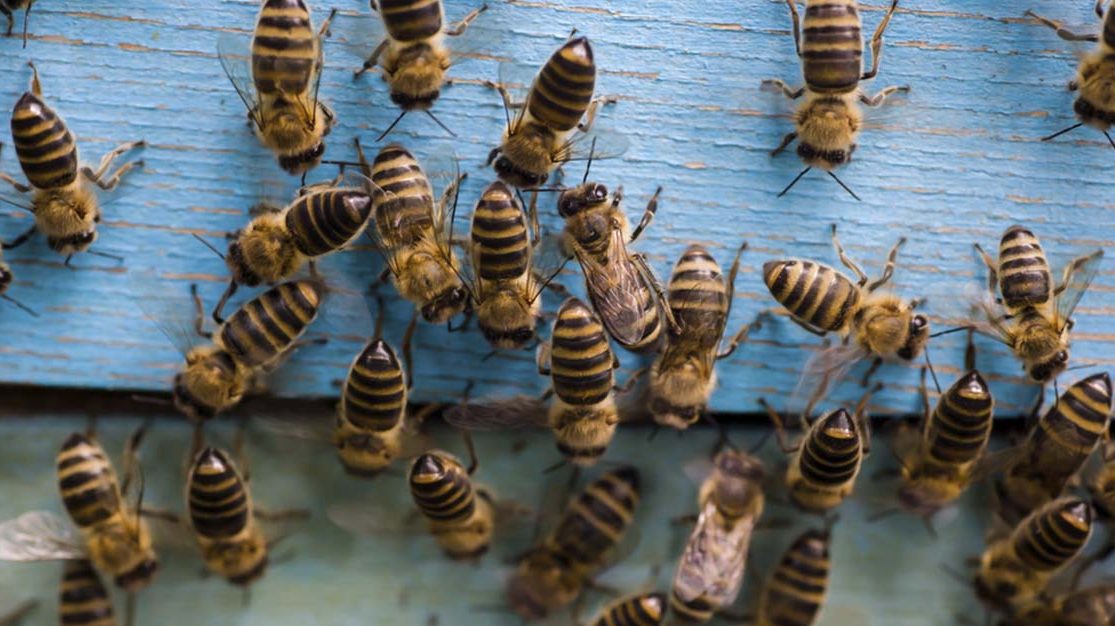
(920, 322)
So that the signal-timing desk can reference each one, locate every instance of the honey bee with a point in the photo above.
(643, 609)
(277, 75)
(581, 366)
(1033, 317)
(413, 233)
(1095, 77)
(1014, 570)
(6, 279)
(830, 46)
(1093, 606)
(8, 7)
(871, 322)
(553, 573)
(683, 376)
(459, 516)
(710, 572)
(65, 207)
(620, 285)
(413, 55)
(826, 460)
(82, 597)
(279, 240)
(795, 592)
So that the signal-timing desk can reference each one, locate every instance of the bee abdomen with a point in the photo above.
(1109, 28)
(375, 393)
(831, 46)
(563, 89)
(499, 232)
(648, 609)
(696, 610)
(441, 489)
(1053, 535)
(86, 481)
(1080, 416)
(832, 452)
(404, 201)
(218, 498)
(45, 146)
(1024, 277)
(411, 20)
(794, 595)
(283, 48)
(581, 360)
(813, 293)
(599, 516)
(83, 599)
(264, 328)
(325, 221)
(961, 423)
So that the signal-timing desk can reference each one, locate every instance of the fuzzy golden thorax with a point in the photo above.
(507, 319)
(415, 74)
(365, 453)
(297, 141)
(925, 494)
(735, 485)
(1043, 350)
(527, 156)
(470, 539)
(541, 584)
(887, 326)
(264, 252)
(428, 280)
(121, 546)
(1095, 104)
(679, 393)
(591, 215)
(583, 433)
(827, 127)
(67, 216)
(241, 560)
(210, 383)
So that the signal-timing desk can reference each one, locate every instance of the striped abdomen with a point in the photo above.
(960, 426)
(796, 590)
(815, 294)
(87, 482)
(832, 451)
(597, 519)
(1024, 278)
(219, 504)
(375, 394)
(325, 221)
(1109, 28)
(45, 146)
(699, 298)
(404, 207)
(411, 20)
(1053, 535)
(441, 488)
(500, 241)
(831, 46)
(263, 329)
(563, 89)
(82, 597)
(581, 360)
(1070, 430)
(284, 49)
(646, 609)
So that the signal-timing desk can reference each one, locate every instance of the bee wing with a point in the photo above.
(235, 53)
(994, 463)
(371, 519)
(1080, 273)
(484, 37)
(517, 78)
(597, 144)
(40, 536)
(499, 414)
(824, 371)
(358, 34)
(164, 305)
(547, 261)
(712, 563)
(296, 427)
(614, 287)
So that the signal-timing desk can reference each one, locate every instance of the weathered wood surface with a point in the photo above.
(952, 163)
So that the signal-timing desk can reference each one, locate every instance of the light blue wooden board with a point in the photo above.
(885, 574)
(953, 163)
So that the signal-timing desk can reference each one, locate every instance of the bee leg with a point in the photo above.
(282, 515)
(98, 176)
(1065, 33)
(593, 109)
(877, 42)
(648, 215)
(652, 282)
(324, 30)
(888, 269)
(371, 61)
(460, 27)
(408, 336)
(131, 457)
(742, 334)
(786, 140)
(875, 365)
(535, 225)
(879, 98)
(508, 102)
(863, 421)
(199, 317)
(796, 21)
(11, 25)
(776, 84)
(20, 187)
(23, 610)
(1073, 268)
(629, 384)
(779, 428)
(542, 358)
(20, 240)
(229, 291)
(809, 327)
(848, 263)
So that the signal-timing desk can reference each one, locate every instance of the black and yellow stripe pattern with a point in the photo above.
(563, 89)
(831, 46)
(1024, 277)
(284, 49)
(796, 590)
(404, 200)
(441, 488)
(813, 293)
(87, 482)
(1077, 422)
(218, 499)
(375, 392)
(45, 146)
(581, 360)
(699, 298)
(597, 519)
(82, 597)
(1053, 535)
(960, 425)
(263, 329)
(325, 221)
(411, 20)
(645, 609)
(829, 459)
(500, 240)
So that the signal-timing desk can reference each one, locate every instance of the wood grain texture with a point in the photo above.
(954, 162)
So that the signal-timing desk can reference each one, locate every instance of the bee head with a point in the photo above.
(208, 384)
(302, 162)
(72, 244)
(238, 266)
(1044, 370)
(825, 159)
(363, 455)
(575, 200)
(416, 81)
(916, 338)
(445, 305)
(506, 321)
(516, 176)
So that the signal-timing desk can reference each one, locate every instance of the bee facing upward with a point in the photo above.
(277, 77)
(1095, 77)
(8, 7)
(1034, 316)
(222, 520)
(413, 55)
(830, 45)
(65, 207)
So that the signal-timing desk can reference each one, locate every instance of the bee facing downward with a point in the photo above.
(66, 209)
(830, 46)
(277, 78)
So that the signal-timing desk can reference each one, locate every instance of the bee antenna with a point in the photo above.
(392, 126)
(19, 304)
(114, 257)
(846, 188)
(1109, 139)
(209, 245)
(794, 182)
(555, 467)
(439, 123)
(26, 16)
(588, 166)
(1062, 131)
(1082, 366)
(933, 373)
(542, 286)
(949, 331)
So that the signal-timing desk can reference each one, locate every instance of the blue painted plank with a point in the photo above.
(954, 162)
